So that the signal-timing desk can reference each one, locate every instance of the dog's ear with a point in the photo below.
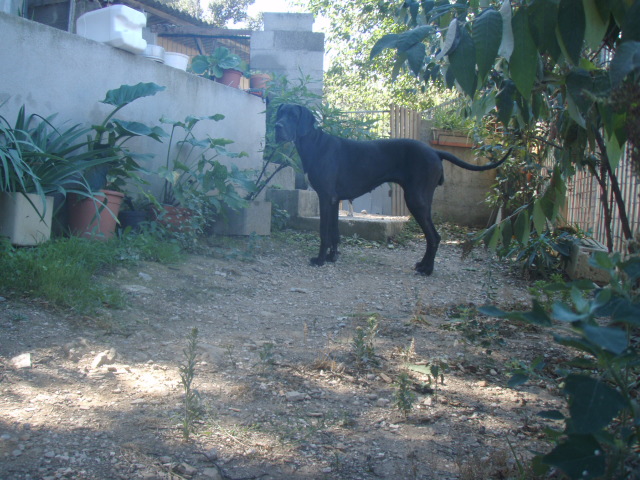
(306, 121)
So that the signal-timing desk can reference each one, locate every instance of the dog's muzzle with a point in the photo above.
(281, 134)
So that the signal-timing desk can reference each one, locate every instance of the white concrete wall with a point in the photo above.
(51, 71)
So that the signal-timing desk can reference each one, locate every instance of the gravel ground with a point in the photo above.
(296, 370)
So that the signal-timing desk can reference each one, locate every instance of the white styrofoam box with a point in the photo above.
(118, 25)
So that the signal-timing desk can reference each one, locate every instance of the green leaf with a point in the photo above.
(571, 28)
(462, 62)
(507, 233)
(631, 25)
(564, 313)
(522, 227)
(632, 268)
(415, 57)
(487, 35)
(504, 101)
(542, 17)
(592, 403)
(579, 456)
(408, 40)
(611, 339)
(539, 219)
(126, 94)
(524, 59)
(595, 24)
(626, 61)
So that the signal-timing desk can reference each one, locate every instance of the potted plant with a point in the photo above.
(38, 162)
(197, 187)
(135, 211)
(222, 66)
(258, 83)
(96, 217)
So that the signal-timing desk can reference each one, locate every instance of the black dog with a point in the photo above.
(342, 169)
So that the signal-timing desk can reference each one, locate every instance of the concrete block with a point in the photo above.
(371, 227)
(579, 268)
(254, 219)
(299, 203)
(288, 21)
(285, 179)
(307, 41)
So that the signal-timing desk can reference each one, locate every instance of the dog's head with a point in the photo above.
(293, 121)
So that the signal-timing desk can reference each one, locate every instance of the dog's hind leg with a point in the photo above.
(334, 233)
(421, 211)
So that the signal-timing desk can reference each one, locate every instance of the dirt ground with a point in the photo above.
(284, 391)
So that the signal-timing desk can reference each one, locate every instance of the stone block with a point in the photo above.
(371, 227)
(292, 22)
(299, 203)
(579, 268)
(254, 219)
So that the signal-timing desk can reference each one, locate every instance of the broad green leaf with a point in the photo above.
(631, 267)
(415, 57)
(563, 313)
(631, 25)
(504, 101)
(126, 94)
(487, 35)
(522, 227)
(626, 61)
(407, 40)
(611, 339)
(450, 40)
(539, 220)
(601, 260)
(524, 59)
(595, 24)
(542, 18)
(507, 233)
(592, 403)
(506, 45)
(571, 28)
(579, 456)
(497, 234)
(387, 41)
(462, 63)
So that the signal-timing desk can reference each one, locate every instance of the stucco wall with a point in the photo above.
(51, 71)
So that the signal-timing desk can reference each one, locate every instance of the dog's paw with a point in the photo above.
(423, 269)
(333, 256)
(316, 261)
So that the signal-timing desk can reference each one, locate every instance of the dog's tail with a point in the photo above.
(469, 166)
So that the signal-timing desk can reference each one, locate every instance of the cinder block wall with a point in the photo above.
(288, 46)
(54, 72)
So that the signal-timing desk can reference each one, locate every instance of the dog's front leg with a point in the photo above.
(325, 229)
(334, 232)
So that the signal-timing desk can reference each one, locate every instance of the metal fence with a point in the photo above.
(584, 208)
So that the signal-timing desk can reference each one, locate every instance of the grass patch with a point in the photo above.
(66, 272)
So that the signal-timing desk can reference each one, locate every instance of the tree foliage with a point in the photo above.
(540, 69)
(353, 29)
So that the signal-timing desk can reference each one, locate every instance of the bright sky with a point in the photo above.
(270, 6)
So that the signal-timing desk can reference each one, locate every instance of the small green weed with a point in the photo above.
(192, 407)
(362, 343)
(404, 397)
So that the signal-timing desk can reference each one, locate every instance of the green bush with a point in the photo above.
(601, 324)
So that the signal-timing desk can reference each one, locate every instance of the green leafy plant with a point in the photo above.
(213, 66)
(404, 396)
(558, 77)
(109, 138)
(362, 343)
(192, 407)
(38, 158)
(601, 384)
(434, 372)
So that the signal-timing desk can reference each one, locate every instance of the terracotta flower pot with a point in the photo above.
(175, 219)
(231, 78)
(94, 218)
(259, 80)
